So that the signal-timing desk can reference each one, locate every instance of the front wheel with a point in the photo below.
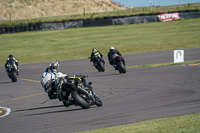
(81, 100)
(98, 101)
(14, 76)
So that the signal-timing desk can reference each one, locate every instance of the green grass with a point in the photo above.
(158, 65)
(177, 124)
(39, 46)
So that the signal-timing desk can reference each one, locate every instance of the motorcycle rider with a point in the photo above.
(48, 79)
(11, 57)
(78, 80)
(111, 56)
(95, 53)
(52, 82)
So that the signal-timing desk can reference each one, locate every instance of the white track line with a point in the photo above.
(8, 110)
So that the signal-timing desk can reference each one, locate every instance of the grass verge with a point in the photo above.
(190, 63)
(177, 124)
(40, 46)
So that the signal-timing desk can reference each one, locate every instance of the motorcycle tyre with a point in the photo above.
(98, 101)
(101, 67)
(14, 77)
(80, 101)
(122, 68)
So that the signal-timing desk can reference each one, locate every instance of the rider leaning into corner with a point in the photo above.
(48, 79)
(111, 56)
(95, 53)
(52, 82)
(78, 80)
(11, 57)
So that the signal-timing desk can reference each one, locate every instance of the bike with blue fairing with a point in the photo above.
(99, 63)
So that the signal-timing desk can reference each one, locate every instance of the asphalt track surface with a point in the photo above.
(140, 94)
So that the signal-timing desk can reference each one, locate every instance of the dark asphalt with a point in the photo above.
(140, 94)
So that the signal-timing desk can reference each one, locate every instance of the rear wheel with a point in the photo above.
(101, 67)
(122, 68)
(81, 100)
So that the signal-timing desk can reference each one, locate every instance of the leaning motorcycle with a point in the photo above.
(99, 65)
(84, 97)
(12, 70)
(119, 64)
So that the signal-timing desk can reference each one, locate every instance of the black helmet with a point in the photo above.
(10, 56)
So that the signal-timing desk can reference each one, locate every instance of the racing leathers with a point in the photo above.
(8, 62)
(94, 56)
(48, 83)
(111, 56)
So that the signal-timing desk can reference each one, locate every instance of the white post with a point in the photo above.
(178, 56)
(150, 5)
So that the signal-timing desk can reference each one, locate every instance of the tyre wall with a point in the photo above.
(106, 21)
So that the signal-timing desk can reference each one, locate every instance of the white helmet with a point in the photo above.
(46, 81)
(111, 48)
(54, 66)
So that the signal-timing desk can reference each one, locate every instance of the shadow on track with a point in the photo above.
(39, 108)
(55, 112)
(58, 111)
(6, 82)
(69, 110)
(105, 75)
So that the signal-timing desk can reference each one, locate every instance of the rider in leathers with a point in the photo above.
(95, 53)
(10, 57)
(48, 79)
(112, 52)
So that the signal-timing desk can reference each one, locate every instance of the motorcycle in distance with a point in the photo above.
(84, 97)
(119, 65)
(99, 64)
(12, 70)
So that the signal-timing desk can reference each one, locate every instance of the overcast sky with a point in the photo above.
(141, 3)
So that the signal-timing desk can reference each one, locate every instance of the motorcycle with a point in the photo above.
(99, 65)
(119, 65)
(12, 70)
(84, 97)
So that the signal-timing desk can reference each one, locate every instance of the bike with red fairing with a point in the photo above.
(119, 64)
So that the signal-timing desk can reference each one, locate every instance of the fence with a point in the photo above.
(119, 20)
(74, 10)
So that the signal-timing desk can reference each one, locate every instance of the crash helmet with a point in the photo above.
(94, 50)
(111, 48)
(10, 56)
(54, 66)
